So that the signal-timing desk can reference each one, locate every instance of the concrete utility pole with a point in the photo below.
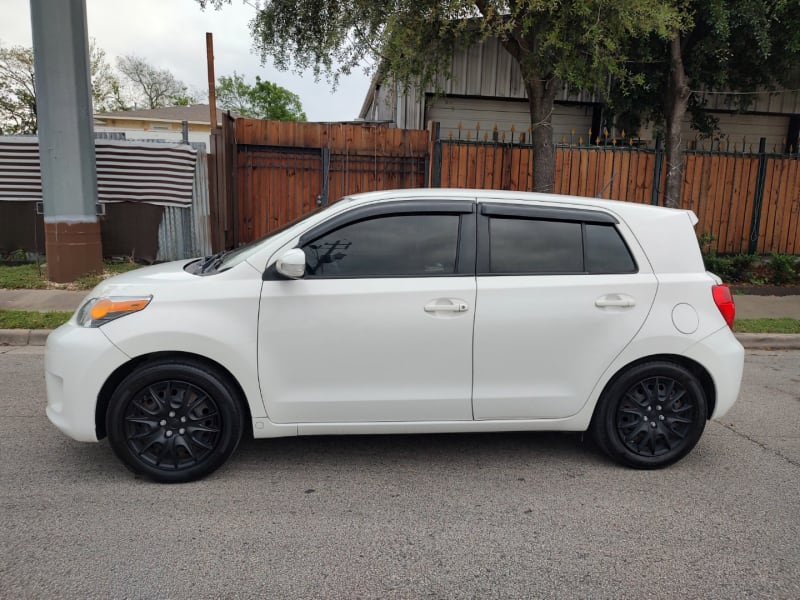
(66, 144)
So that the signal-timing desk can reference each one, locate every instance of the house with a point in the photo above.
(486, 88)
(159, 123)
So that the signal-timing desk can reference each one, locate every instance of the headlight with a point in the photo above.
(99, 311)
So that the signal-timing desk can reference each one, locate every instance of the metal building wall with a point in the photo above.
(185, 232)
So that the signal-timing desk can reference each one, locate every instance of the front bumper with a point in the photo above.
(77, 362)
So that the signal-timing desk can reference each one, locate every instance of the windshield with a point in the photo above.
(234, 257)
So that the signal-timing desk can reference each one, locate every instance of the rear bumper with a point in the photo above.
(723, 356)
(77, 361)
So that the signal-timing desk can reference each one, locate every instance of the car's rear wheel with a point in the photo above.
(174, 421)
(651, 416)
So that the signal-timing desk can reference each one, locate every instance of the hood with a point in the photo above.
(139, 280)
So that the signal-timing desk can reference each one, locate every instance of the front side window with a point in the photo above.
(387, 246)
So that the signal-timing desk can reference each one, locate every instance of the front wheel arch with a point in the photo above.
(119, 375)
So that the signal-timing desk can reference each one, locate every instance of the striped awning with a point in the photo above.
(126, 171)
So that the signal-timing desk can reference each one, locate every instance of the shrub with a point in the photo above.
(742, 266)
(721, 266)
(782, 268)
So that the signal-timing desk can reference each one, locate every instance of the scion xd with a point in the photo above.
(409, 312)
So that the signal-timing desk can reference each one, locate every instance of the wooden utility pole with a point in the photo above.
(212, 89)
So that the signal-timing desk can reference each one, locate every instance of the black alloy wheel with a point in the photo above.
(651, 416)
(174, 421)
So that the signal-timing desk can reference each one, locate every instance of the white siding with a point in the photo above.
(470, 112)
(155, 134)
(737, 128)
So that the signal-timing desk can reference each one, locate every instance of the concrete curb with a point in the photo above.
(769, 341)
(751, 341)
(23, 337)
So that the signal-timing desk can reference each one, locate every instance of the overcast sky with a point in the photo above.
(171, 34)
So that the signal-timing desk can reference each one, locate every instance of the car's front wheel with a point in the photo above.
(174, 421)
(651, 416)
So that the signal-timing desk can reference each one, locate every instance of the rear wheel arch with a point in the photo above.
(653, 411)
(119, 375)
(698, 370)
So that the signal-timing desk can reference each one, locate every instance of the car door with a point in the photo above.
(560, 294)
(380, 327)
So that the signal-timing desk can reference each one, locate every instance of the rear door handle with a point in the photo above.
(615, 301)
(456, 306)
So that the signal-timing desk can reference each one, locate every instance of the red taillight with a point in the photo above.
(724, 301)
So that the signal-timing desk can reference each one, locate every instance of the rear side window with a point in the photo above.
(520, 246)
(606, 252)
(534, 246)
(390, 246)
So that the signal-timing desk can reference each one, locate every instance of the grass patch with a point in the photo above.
(23, 277)
(767, 326)
(31, 319)
(34, 277)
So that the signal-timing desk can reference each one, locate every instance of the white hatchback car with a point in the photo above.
(409, 312)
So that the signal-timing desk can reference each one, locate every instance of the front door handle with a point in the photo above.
(615, 301)
(446, 305)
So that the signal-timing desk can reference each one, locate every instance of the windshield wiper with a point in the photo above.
(212, 262)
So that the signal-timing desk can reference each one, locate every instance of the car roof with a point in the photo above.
(616, 206)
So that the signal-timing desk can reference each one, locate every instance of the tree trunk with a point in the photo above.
(541, 96)
(677, 102)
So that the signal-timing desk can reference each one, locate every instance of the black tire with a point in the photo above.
(651, 416)
(174, 421)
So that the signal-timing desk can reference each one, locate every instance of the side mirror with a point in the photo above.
(292, 264)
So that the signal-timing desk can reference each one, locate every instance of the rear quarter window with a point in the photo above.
(606, 251)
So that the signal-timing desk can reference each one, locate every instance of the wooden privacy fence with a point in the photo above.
(275, 172)
(749, 201)
(284, 170)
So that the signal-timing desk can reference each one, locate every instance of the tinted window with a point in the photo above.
(410, 245)
(533, 246)
(606, 252)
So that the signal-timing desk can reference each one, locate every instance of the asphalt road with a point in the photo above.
(456, 516)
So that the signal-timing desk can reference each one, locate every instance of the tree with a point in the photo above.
(18, 87)
(153, 87)
(553, 42)
(17, 91)
(106, 89)
(264, 100)
(733, 45)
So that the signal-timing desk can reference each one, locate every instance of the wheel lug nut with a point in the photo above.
(660, 417)
(653, 424)
(183, 419)
(162, 422)
(181, 431)
(645, 418)
(658, 407)
(169, 433)
(172, 413)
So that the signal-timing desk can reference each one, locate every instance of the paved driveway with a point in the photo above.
(461, 516)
